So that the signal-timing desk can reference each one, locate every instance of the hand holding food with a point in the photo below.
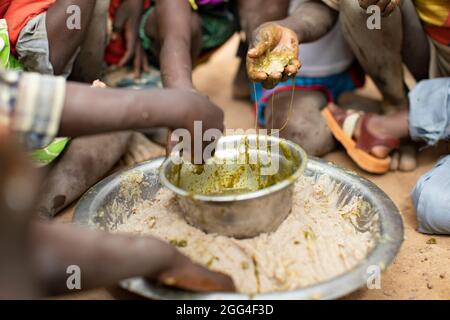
(274, 57)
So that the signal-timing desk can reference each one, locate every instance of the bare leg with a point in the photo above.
(306, 126)
(84, 163)
(382, 52)
(89, 65)
(64, 41)
(151, 30)
(378, 51)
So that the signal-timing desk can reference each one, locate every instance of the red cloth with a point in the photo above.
(117, 47)
(17, 13)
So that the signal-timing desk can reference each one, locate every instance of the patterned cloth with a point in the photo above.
(18, 12)
(31, 107)
(435, 14)
(332, 86)
(7, 60)
(429, 121)
(35, 127)
(217, 24)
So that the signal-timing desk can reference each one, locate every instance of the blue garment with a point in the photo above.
(333, 86)
(430, 121)
(429, 118)
(431, 197)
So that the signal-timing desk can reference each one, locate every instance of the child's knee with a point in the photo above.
(306, 126)
(432, 199)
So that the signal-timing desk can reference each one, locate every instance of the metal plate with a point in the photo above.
(95, 210)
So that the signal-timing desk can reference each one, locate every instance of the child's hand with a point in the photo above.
(184, 274)
(127, 20)
(193, 107)
(274, 56)
(386, 6)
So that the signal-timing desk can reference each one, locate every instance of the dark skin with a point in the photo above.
(310, 21)
(100, 113)
(386, 6)
(35, 256)
(254, 13)
(127, 21)
(64, 42)
(176, 30)
(117, 110)
(117, 256)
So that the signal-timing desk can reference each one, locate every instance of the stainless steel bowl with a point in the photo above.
(239, 214)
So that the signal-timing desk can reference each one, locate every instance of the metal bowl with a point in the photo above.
(97, 210)
(259, 209)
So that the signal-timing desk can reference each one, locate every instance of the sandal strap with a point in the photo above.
(367, 141)
(350, 123)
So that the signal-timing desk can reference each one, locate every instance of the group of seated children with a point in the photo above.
(44, 43)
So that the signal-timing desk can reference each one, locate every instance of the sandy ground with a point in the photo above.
(420, 271)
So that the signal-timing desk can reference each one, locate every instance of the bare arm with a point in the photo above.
(174, 31)
(63, 42)
(104, 259)
(93, 110)
(254, 13)
(310, 21)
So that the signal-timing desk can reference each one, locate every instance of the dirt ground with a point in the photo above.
(420, 271)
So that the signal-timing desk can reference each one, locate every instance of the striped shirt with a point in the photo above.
(31, 106)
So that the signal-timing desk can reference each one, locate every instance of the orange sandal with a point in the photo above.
(342, 124)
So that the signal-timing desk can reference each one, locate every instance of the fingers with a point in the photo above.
(273, 79)
(267, 37)
(390, 8)
(259, 50)
(292, 69)
(382, 4)
(193, 277)
(253, 75)
(289, 72)
(386, 6)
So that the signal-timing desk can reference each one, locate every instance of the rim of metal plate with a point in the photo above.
(383, 254)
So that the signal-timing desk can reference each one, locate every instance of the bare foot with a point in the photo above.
(408, 159)
(383, 127)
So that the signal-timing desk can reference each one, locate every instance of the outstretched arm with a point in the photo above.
(311, 20)
(104, 259)
(94, 110)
